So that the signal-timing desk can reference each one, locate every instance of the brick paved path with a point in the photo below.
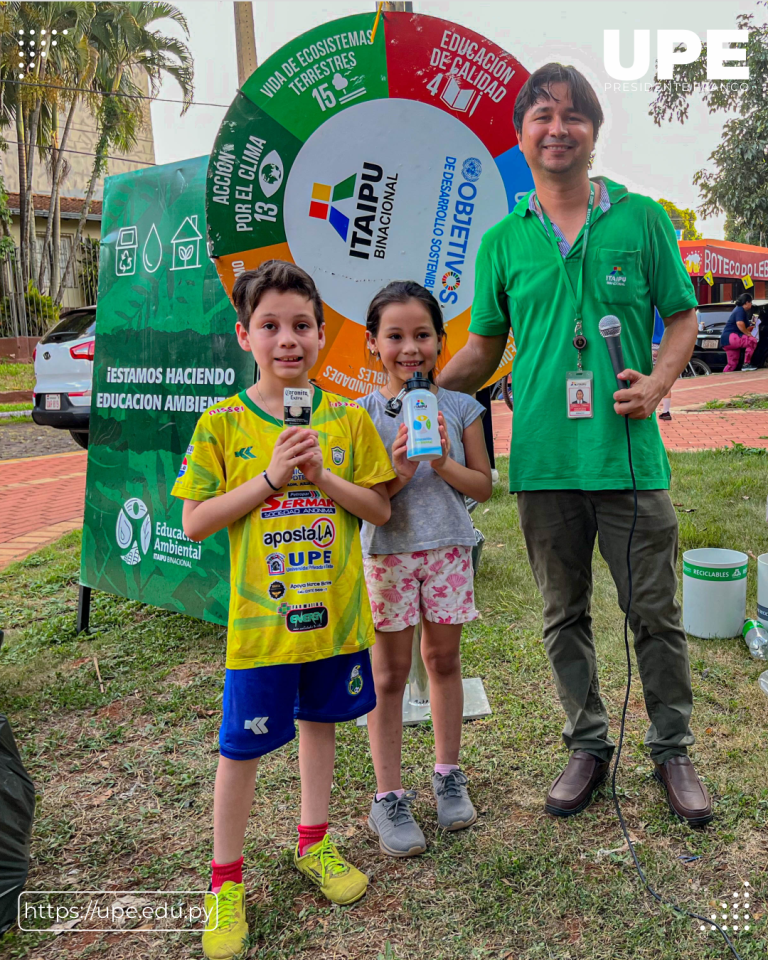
(691, 428)
(41, 498)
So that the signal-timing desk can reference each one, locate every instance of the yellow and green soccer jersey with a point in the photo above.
(297, 591)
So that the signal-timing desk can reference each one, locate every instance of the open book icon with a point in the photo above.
(457, 97)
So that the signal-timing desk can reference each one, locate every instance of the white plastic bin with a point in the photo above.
(714, 592)
(762, 589)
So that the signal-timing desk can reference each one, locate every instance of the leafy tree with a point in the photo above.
(738, 186)
(682, 219)
(41, 36)
(6, 240)
(121, 35)
(100, 48)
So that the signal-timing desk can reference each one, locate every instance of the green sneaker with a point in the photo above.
(225, 929)
(324, 865)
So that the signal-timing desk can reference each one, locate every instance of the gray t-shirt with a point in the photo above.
(427, 512)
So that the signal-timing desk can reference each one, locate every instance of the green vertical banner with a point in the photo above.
(165, 352)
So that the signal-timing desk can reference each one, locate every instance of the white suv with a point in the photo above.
(64, 371)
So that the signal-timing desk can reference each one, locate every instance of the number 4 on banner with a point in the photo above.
(709, 278)
(747, 281)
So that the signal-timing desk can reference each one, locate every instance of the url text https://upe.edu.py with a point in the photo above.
(113, 911)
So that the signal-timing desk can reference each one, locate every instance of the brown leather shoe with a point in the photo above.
(687, 795)
(572, 790)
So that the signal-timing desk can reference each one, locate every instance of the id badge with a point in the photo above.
(579, 394)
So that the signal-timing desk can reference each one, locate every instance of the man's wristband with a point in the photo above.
(270, 482)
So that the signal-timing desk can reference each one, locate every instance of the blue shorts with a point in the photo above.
(261, 703)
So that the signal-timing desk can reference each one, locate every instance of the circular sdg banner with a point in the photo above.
(366, 162)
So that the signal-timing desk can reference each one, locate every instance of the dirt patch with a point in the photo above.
(31, 440)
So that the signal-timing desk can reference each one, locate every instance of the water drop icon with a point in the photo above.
(152, 253)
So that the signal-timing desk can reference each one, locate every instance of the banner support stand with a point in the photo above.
(83, 609)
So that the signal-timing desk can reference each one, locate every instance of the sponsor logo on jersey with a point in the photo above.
(315, 586)
(215, 410)
(306, 617)
(345, 403)
(337, 455)
(294, 503)
(322, 533)
(310, 560)
(277, 589)
(182, 469)
(275, 564)
(190, 448)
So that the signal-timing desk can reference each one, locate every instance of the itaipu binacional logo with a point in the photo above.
(324, 196)
(133, 530)
(616, 278)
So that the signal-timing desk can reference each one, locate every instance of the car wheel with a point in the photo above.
(696, 368)
(506, 391)
(80, 438)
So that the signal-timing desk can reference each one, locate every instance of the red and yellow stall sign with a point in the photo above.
(368, 161)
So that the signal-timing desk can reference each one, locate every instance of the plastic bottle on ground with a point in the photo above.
(756, 638)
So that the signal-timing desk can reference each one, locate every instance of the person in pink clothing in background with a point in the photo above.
(736, 335)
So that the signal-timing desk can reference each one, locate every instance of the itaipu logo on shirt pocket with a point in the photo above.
(616, 276)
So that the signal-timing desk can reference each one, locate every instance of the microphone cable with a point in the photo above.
(630, 845)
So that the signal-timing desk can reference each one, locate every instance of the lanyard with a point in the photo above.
(576, 295)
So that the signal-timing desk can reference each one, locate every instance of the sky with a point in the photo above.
(657, 161)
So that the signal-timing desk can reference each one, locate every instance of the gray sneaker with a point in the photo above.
(454, 808)
(391, 818)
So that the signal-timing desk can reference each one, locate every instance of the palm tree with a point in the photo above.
(71, 64)
(41, 36)
(120, 34)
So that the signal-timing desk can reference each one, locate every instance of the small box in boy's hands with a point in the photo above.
(297, 407)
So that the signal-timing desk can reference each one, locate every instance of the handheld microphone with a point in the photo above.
(610, 330)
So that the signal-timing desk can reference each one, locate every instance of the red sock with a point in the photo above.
(310, 835)
(226, 871)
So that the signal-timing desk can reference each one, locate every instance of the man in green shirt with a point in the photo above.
(570, 253)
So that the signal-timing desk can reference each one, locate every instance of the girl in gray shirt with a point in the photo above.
(419, 566)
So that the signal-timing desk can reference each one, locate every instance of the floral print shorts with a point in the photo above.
(437, 583)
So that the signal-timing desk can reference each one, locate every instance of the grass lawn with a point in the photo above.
(748, 401)
(124, 778)
(16, 376)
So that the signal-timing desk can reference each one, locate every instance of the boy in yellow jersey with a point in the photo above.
(299, 618)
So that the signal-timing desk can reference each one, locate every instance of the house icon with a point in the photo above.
(186, 245)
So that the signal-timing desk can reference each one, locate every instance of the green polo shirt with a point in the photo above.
(518, 284)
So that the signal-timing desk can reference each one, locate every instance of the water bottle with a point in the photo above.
(420, 416)
(764, 682)
(756, 638)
